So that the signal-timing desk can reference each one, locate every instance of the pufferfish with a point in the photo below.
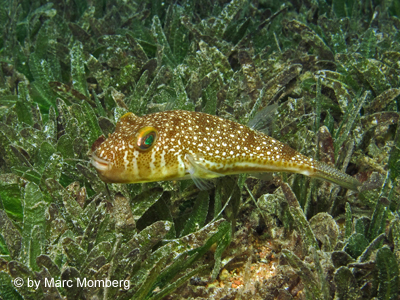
(175, 145)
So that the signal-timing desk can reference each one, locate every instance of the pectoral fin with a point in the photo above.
(200, 174)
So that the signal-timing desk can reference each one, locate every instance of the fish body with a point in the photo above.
(174, 145)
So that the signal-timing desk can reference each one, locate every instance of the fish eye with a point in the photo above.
(146, 138)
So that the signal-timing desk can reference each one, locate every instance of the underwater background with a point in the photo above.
(321, 76)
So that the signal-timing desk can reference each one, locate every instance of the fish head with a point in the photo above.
(128, 154)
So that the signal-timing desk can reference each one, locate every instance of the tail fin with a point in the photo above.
(328, 173)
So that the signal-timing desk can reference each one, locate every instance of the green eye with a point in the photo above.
(149, 140)
(146, 138)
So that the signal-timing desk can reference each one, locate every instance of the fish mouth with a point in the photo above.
(100, 164)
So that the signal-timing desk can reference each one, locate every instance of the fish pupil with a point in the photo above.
(149, 140)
